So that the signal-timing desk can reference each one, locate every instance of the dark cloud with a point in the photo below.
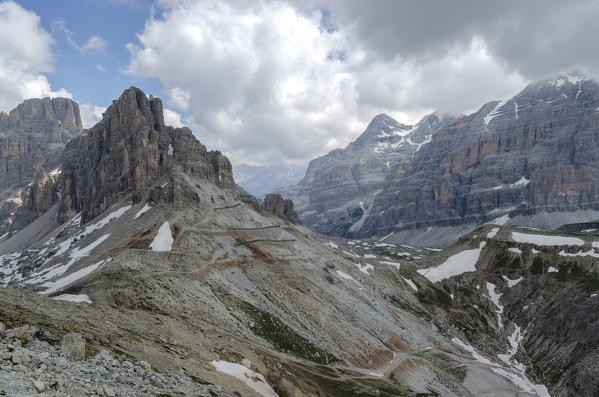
(534, 37)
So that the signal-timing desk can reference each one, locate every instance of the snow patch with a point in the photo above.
(365, 268)
(511, 283)
(82, 298)
(455, 265)
(145, 209)
(492, 114)
(410, 283)
(515, 250)
(332, 245)
(350, 254)
(540, 239)
(493, 232)
(590, 253)
(495, 298)
(386, 237)
(163, 240)
(252, 379)
(106, 220)
(552, 270)
(54, 286)
(502, 220)
(395, 264)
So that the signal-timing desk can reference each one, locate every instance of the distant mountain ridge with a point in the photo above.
(529, 160)
(32, 139)
(339, 187)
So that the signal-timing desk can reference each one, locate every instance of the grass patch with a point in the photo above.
(284, 338)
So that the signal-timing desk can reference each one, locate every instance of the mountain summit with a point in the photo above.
(338, 189)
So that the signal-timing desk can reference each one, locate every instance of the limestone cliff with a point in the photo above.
(338, 189)
(283, 208)
(130, 151)
(512, 161)
(32, 139)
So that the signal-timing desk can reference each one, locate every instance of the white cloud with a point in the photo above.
(100, 68)
(266, 83)
(94, 43)
(172, 118)
(90, 114)
(25, 55)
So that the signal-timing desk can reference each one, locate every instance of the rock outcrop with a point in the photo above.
(21, 207)
(283, 208)
(337, 192)
(129, 151)
(32, 139)
(531, 155)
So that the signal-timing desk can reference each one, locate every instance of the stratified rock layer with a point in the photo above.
(283, 208)
(536, 152)
(338, 189)
(128, 152)
(32, 139)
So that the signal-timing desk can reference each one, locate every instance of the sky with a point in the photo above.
(274, 84)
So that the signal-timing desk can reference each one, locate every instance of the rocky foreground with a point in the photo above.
(59, 367)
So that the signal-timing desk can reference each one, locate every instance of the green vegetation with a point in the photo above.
(508, 260)
(435, 295)
(590, 282)
(409, 307)
(538, 264)
(562, 275)
(284, 338)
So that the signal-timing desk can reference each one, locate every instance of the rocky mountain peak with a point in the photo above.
(131, 151)
(133, 108)
(381, 125)
(59, 118)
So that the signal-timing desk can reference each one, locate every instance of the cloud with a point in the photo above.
(25, 56)
(267, 83)
(172, 118)
(90, 114)
(534, 37)
(100, 68)
(274, 82)
(94, 44)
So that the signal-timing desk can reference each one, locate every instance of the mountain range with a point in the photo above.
(151, 271)
(527, 160)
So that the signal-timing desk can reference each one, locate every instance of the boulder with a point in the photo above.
(72, 346)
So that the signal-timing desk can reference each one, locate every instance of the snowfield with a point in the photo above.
(163, 240)
(54, 286)
(410, 283)
(254, 380)
(455, 265)
(365, 268)
(82, 298)
(493, 232)
(542, 239)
